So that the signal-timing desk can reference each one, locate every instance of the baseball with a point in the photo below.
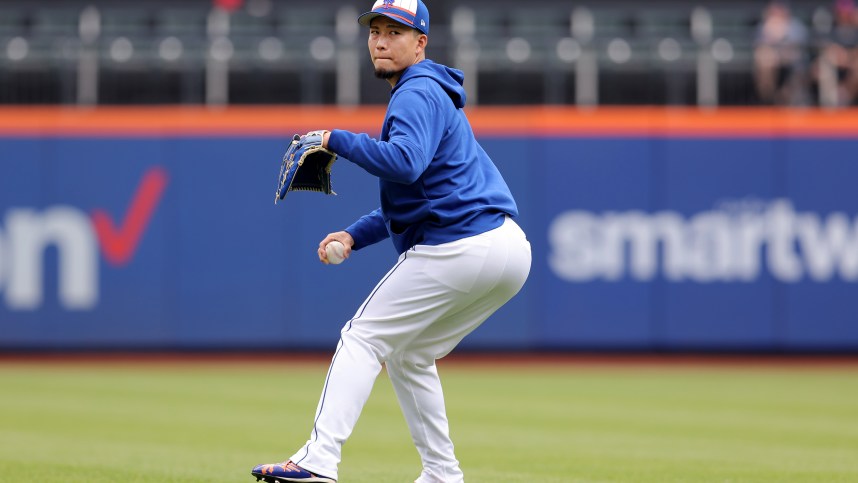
(335, 251)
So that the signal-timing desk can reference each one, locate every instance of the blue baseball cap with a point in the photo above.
(412, 13)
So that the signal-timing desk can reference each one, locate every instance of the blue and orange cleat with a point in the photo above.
(287, 471)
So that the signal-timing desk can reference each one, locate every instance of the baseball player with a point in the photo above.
(449, 214)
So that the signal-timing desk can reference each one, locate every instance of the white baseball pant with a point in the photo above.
(426, 304)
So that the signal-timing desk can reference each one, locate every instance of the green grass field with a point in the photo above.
(110, 422)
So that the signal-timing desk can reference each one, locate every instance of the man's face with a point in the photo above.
(393, 47)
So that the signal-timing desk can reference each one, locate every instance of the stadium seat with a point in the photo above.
(127, 21)
(296, 21)
(13, 22)
(610, 22)
(245, 24)
(660, 23)
(56, 22)
(534, 23)
(181, 21)
(735, 24)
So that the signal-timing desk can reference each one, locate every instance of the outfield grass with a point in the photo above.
(93, 423)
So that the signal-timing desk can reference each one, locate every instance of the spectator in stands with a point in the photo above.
(780, 57)
(840, 51)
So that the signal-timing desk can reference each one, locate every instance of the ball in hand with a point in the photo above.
(336, 252)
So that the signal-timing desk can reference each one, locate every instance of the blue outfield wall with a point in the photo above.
(640, 243)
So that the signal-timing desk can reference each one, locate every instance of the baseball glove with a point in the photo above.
(306, 166)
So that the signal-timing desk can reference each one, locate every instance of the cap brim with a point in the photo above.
(366, 18)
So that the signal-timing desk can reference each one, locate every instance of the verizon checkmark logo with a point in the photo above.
(77, 237)
(118, 243)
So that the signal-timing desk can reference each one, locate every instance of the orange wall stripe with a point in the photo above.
(182, 121)
(487, 121)
(681, 122)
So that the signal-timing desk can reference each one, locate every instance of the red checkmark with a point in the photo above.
(119, 244)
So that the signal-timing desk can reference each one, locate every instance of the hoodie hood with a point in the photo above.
(448, 78)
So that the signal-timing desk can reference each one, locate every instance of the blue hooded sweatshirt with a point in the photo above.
(437, 184)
